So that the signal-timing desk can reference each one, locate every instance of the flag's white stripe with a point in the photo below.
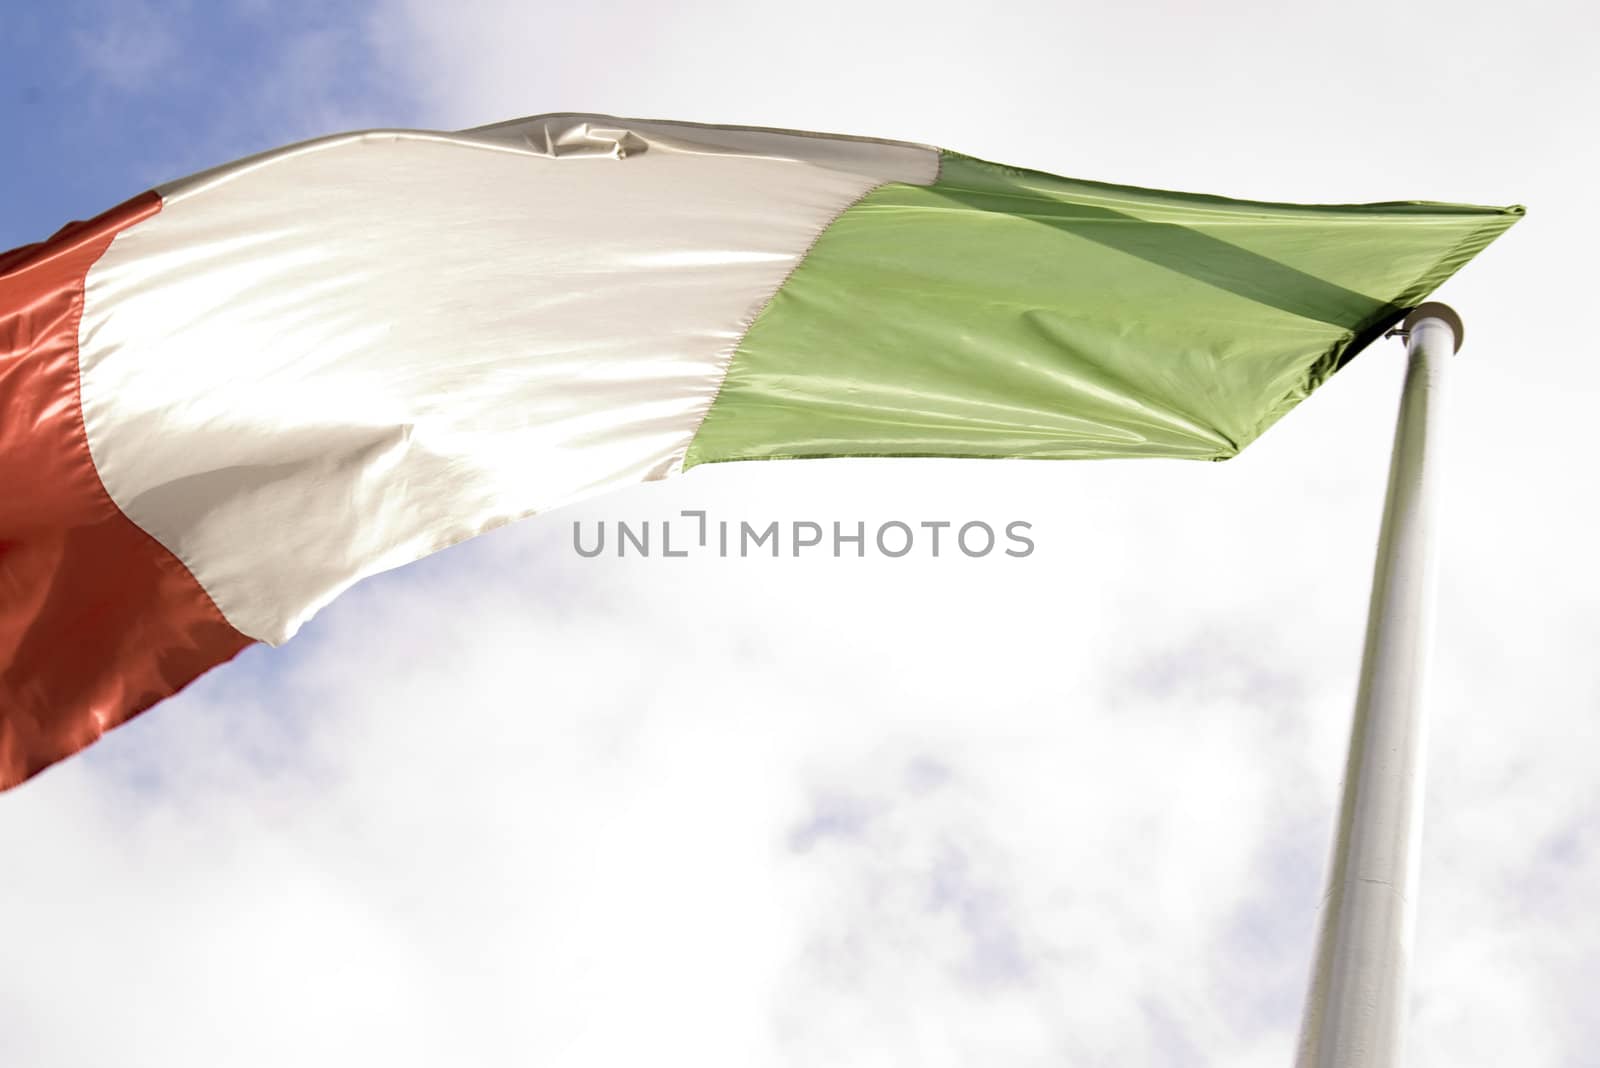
(335, 359)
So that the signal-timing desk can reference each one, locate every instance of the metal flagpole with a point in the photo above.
(1355, 1011)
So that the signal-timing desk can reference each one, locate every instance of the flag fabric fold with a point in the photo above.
(229, 399)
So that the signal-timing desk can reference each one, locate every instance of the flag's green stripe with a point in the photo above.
(1001, 312)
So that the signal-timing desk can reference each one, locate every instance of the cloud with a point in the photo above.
(512, 806)
(130, 47)
(170, 89)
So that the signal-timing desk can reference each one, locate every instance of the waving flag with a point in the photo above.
(225, 401)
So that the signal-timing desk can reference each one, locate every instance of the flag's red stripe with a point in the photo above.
(97, 620)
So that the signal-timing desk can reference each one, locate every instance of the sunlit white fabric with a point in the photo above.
(334, 359)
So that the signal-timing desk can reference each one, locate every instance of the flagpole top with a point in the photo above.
(1435, 310)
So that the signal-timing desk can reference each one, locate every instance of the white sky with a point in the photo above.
(513, 807)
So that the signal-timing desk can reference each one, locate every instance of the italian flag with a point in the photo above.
(227, 400)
